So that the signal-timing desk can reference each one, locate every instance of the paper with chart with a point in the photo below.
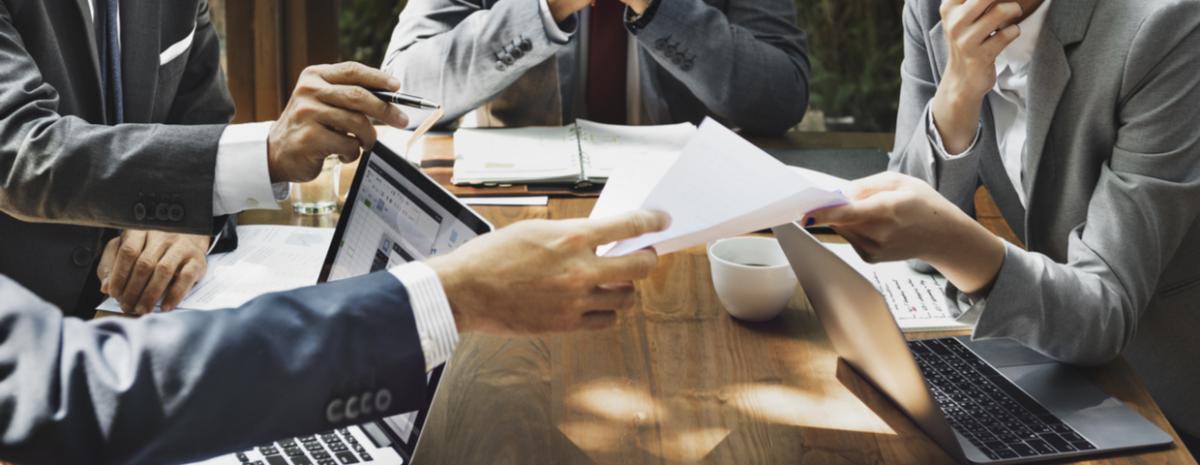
(268, 259)
(719, 186)
(582, 151)
(917, 300)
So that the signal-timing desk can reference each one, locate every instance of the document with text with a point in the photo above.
(268, 259)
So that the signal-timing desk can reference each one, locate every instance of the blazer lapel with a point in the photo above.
(141, 29)
(1049, 75)
(95, 99)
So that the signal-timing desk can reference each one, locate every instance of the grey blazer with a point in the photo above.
(740, 61)
(184, 386)
(1112, 174)
(59, 161)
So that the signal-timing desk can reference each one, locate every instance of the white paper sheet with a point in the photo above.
(917, 300)
(719, 186)
(268, 259)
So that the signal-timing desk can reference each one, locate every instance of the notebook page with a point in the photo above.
(606, 146)
(515, 155)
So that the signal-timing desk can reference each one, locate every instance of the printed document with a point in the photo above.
(581, 152)
(917, 300)
(719, 186)
(268, 259)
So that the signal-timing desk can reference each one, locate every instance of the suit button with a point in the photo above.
(526, 45)
(676, 60)
(139, 211)
(661, 44)
(175, 212)
(500, 66)
(82, 257)
(507, 59)
(686, 66)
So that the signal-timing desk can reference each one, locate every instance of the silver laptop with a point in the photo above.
(992, 401)
(393, 214)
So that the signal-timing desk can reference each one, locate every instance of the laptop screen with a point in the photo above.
(395, 214)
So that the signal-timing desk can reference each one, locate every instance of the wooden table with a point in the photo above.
(679, 381)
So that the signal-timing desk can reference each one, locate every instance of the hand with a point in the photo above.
(541, 276)
(562, 9)
(638, 6)
(896, 217)
(140, 267)
(976, 31)
(327, 115)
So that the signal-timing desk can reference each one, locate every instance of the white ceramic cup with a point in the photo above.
(752, 277)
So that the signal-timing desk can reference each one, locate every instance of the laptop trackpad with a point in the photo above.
(1098, 417)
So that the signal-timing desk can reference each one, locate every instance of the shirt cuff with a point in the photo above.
(935, 139)
(556, 31)
(435, 322)
(242, 181)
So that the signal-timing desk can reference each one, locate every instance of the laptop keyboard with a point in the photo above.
(336, 447)
(989, 410)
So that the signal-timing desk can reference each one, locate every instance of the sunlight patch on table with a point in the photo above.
(792, 406)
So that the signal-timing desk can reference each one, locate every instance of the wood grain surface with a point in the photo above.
(679, 381)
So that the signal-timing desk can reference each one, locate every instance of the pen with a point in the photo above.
(405, 99)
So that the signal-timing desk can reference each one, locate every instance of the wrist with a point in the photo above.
(956, 118)
(453, 284)
(972, 256)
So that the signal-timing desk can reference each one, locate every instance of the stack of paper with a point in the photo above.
(719, 186)
(268, 259)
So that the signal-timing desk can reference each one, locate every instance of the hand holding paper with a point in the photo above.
(719, 186)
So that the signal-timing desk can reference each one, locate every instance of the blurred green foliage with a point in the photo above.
(855, 47)
(366, 27)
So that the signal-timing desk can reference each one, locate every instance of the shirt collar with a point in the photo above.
(1019, 53)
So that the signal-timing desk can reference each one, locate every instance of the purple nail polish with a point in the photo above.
(810, 222)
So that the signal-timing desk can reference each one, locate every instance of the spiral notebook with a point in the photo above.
(581, 155)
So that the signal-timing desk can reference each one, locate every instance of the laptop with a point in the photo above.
(393, 214)
(992, 401)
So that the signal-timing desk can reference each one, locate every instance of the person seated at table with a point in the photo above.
(548, 62)
(181, 386)
(1079, 118)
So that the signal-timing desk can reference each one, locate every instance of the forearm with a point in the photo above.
(454, 58)
(749, 67)
(127, 391)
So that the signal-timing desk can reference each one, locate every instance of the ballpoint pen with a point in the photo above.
(405, 99)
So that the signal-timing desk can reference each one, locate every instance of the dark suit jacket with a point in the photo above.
(187, 385)
(59, 161)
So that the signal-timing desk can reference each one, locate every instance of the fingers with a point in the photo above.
(107, 259)
(131, 244)
(997, 43)
(343, 121)
(143, 269)
(361, 100)
(627, 225)
(335, 143)
(164, 272)
(188, 276)
(598, 319)
(631, 267)
(865, 187)
(996, 19)
(356, 74)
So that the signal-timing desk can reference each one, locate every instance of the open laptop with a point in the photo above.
(393, 214)
(992, 401)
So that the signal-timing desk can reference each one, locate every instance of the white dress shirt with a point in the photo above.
(242, 182)
(1009, 100)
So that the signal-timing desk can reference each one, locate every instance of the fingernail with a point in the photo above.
(810, 222)
(395, 83)
(140, 310)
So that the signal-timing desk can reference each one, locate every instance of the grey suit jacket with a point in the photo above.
(740, 61)
(1112, 174)
(59, 161)
(184, 386)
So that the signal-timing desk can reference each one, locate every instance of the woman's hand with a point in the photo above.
(896, 217)
(976, 32)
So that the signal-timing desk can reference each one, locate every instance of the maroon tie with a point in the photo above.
(606, 63)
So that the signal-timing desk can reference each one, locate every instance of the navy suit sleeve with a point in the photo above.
(187, 385)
